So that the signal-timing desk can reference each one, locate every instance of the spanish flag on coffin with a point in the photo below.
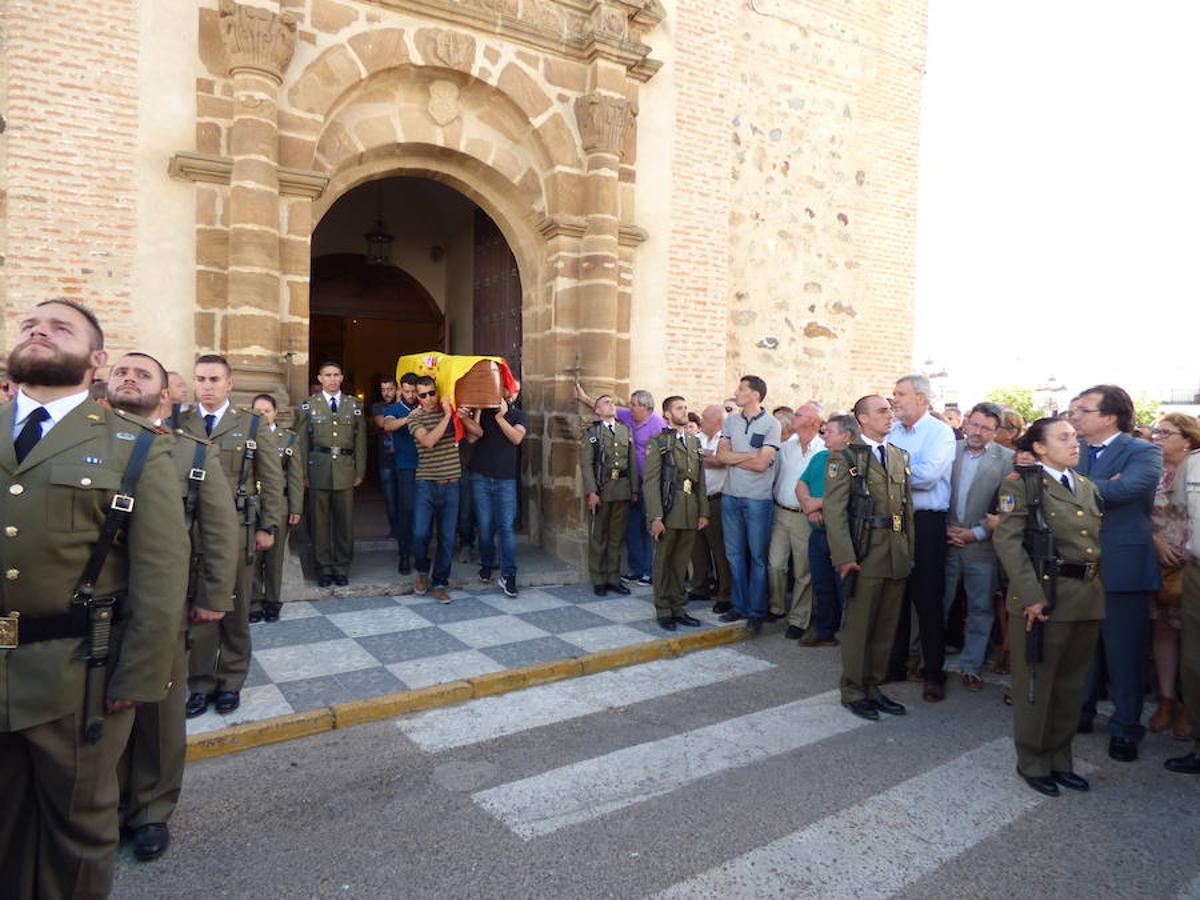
(447, 370)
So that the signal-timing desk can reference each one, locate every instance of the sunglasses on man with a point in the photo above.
(423, 394)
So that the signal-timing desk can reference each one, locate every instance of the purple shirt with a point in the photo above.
(642, 434)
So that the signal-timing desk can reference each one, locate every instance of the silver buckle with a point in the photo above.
(197, 474)
(10, 631)
(122, 503)
(251, 445)
(333, 452)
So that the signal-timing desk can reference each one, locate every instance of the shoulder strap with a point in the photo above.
(196, 475)
(118, 514)
(1036, 519)
(248, 456)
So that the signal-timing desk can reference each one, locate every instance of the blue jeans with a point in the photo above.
(496, 516)
(638, 546)
(827, 586)
(387, 484)
(405, 482)
(979, 582)
(466, 510)
(435, 502)
(747, 526)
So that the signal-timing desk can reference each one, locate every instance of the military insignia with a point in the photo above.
(92, 417)
(235, 433)
(93, 460)
(1007, 503)
(124, 436)
(357, 411)
(835, 469)
(304, 405)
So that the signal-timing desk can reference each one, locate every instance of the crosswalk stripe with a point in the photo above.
(506, 714)
(918, 825)
(594, 787)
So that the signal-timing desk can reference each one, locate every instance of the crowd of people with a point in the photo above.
(1053, 549)
(1067, 547)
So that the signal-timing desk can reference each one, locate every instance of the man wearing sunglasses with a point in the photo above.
(436, 498)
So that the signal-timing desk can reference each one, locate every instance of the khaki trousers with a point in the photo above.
(868, 629)
(671, 558)
(333, 530)
(1043, 730)
(606, 539)
(152, 766)
(789, 538)
(220, 655)
(58, 817)
(268, 575)
(708, 555)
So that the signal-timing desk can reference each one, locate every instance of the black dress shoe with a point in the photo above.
(197, 705)
(722, 606)
(1070, 781)
(732, 616)
(271, 614)
(1122, 749)
(404, 566)
(600, 590)
(325, 581)
(698, 598)
(888, 705)
(754, 627)
(667, 624)
(1043, 784)
(689, 621)
(1188, 764)
(151, 841)
(619, 588)
(228, 701)
(794, 633)
(341, 580)
(863, 708)
(256, 616)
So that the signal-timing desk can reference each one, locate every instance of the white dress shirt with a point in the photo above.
(793, 459)
(58, 410)
(218, 412)
(714, 479)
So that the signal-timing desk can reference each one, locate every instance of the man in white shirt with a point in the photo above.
(710, 567)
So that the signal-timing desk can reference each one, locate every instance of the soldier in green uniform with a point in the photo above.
(677, 507)
(1064, 600)
(220, 656)
(65, 716)
(606, 463)
(268, 566)
(333, 434)
(152, 767)
(873, 538)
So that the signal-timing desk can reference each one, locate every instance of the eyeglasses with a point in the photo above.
(821, 432)
(1078, 410)
(1163, 432)
(426, 394)
(730, 409)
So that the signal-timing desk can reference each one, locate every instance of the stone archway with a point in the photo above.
(531, 116)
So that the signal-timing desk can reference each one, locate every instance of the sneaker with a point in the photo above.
(441, 595)
(646, 580)
(422, 583)
(485, 574)
(630, 577)
(508, 583)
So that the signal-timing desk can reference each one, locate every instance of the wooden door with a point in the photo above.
(497, 295)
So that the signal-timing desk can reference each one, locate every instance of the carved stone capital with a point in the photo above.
(604, 122)
(257, 39)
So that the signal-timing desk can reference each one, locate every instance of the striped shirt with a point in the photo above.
(440, 462)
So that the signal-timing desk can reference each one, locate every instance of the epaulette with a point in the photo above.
(135, 420)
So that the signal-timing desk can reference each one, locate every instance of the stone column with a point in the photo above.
(259, 43)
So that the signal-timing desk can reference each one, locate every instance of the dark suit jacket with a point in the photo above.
(1130, 563)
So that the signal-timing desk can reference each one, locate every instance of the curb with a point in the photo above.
(237, 738)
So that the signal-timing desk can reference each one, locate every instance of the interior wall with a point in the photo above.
(460, 290)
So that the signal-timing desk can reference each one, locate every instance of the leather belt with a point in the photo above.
(794, 509)
(335, 452)
(16, 630)
(891, 523)
(1084, 571)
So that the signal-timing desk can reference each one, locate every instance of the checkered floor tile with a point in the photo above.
(331, 651)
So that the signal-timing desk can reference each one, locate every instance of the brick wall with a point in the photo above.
(67, 162)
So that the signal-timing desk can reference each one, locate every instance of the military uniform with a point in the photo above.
(268, 567)
(872, 611)
(612, 452)
(152, 769)
(1043, 730)
(58, 813)
(220, 655)
(689, 504)
(335, 450)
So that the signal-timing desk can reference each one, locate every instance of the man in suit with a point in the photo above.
(220, 656)
(1126, 472)
(63, 461)
(980, 464)
(333, 438)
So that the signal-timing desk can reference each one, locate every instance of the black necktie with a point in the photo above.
(31, 433)
(333, 404)
(1066, 482)
(882, 456)
(210, 422)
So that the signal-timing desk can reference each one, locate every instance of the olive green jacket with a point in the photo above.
(691, 499)
(52, 507)
(1075, 520)
(320, 430)
(889, 551)
(214, 526)
(617, 447)
(265, 480)
(291, 458)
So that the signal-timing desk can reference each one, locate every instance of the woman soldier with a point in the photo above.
(1066, 608)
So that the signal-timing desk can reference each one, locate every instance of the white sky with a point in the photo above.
(1059, 195)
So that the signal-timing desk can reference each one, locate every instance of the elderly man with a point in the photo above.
(790, 531)
(641, 418)
(710, 567)
(980, 464)
(1126, 472)
(930, 447)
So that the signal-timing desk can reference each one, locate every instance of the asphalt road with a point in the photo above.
(727, 773)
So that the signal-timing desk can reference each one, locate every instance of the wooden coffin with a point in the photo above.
(480, 387)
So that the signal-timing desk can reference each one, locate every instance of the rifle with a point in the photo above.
(244, 502)
(1042, 548)
(861, 510)
(665, 439)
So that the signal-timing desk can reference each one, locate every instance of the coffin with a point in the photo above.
(479, 387)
